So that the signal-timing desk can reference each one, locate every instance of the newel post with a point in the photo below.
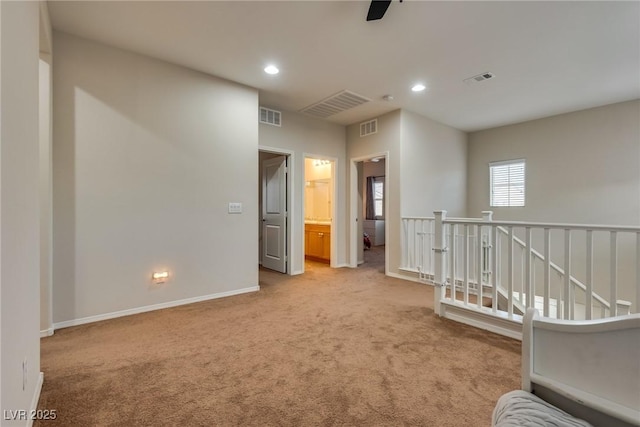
(439, 249)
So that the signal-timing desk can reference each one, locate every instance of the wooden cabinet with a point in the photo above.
(317, 242)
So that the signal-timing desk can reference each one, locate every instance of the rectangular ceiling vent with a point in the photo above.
(334, 104)
(479, 78)
(270, 117)
(367, 128)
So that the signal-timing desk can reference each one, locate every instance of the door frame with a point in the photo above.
(355, 211)
(290, 207)
(333, 263)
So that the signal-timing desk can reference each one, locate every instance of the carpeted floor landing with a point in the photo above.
(346, 347)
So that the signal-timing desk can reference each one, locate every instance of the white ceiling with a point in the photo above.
(548, 57)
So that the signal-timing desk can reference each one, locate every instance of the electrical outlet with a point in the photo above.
(25, 373)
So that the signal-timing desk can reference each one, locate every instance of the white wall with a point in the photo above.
(44, 128)
(304, 136)
(385, 141)
(426, 170)
(46, 186)
(147, 156)
(434, 167)
(581, 167)
(19, 216)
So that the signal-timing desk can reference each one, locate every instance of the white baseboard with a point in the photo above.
(342, 265)
(36, 398)
(502, 325)
(144, 309)
(46, 332)
(409, 278)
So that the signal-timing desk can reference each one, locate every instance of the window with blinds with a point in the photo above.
(378, 197)
(507, 183)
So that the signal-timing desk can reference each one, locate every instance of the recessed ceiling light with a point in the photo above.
(418, 87)
(271, 69)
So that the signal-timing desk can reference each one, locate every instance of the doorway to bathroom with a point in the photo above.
(319, 193)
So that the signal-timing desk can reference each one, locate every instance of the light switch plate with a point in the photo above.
(235, 207)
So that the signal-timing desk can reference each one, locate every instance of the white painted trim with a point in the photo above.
(144, 309)
(297, 272)
(468, 315)
(342, 265)
(408, 278)
(35, 399)
(46, 332)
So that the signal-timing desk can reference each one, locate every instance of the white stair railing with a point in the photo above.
(598, 302)
(492, 267)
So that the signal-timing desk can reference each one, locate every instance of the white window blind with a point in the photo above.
(378, 197)
(507, 183)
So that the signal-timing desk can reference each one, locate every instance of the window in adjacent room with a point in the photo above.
(378, 197)
(507, 183)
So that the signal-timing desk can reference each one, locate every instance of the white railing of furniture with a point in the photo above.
(448, 253)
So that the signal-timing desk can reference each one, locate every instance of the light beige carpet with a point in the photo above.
(328, 348)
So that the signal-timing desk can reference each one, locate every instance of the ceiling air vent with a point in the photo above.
(270, 117)
(334, 104)
(367, 128)
(479, 78)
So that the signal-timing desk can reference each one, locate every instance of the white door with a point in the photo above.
(274, 214)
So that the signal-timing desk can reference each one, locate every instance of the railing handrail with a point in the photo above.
(422, 218)
(559, 226)
(556, 267)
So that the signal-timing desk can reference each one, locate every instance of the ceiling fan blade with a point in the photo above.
(377, 9)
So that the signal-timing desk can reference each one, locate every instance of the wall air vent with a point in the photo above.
(334, 104)
(270, 117)
(479, 78)
(367, 128)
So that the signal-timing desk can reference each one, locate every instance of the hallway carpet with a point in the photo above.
(346, 347)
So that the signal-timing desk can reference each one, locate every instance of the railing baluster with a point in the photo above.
(527, 267)
(466, 264)
(494, 267)
(638, 272)
(498, 273)
(431, 255)
(409, 244)
(567, 309)
(588, 314)
(613, 306)
(479, 264)
(403, 243)
(452, 259)
(511, 274)
(547, 271)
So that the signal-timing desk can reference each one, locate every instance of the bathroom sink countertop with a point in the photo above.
(318, 221)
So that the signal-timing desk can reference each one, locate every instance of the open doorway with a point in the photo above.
(319, 193)
(369, 206)
(274, 202)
